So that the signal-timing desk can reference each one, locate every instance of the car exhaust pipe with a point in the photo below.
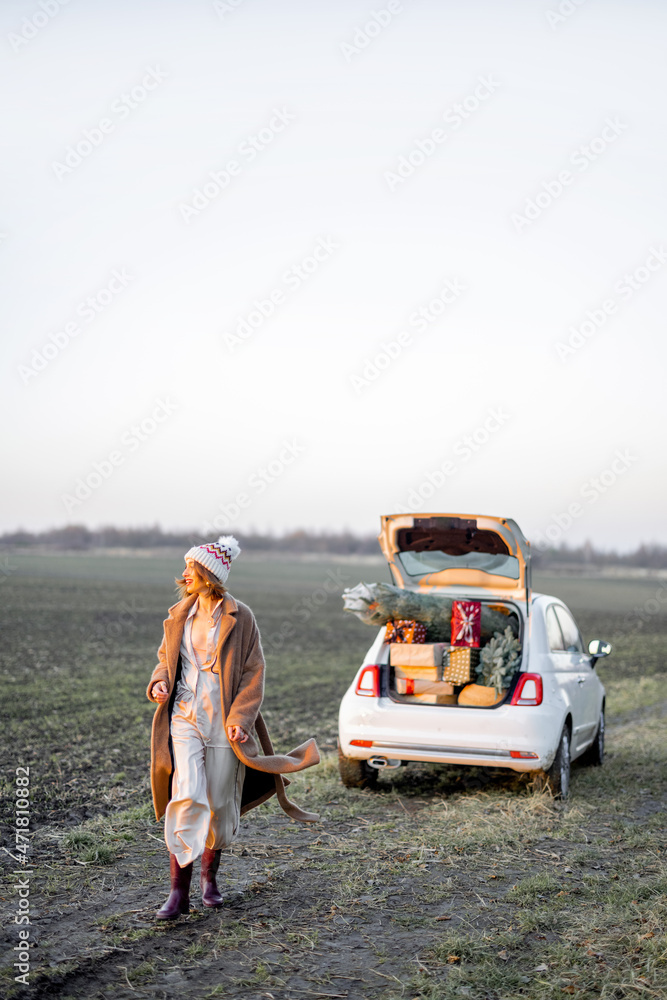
(382, 763)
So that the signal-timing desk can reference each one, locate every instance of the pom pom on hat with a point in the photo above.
(230, 543)
(216, 556)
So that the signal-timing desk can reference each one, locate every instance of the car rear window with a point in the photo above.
(434, 561)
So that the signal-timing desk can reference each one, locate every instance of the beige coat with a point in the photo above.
(241, 666)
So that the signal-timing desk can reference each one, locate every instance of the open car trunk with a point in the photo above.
(475, 560)
(436, 673)
(457, 552)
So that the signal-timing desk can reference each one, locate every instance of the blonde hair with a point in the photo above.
(217, 589)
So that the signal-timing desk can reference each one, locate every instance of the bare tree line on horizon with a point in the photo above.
(77, 537)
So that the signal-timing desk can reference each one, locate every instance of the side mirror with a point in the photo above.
(598, 648)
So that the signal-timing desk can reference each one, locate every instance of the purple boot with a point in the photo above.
(210, 862)
(179, 898)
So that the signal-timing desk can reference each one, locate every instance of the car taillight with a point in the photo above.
(361, 743)
(523, 754)
(368, 684)
(528, 690)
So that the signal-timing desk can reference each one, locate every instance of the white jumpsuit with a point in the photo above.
(208, 777)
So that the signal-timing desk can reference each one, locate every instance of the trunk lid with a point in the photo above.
(462, 553)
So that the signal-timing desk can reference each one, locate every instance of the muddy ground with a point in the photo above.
(331, 910)
(442, 883)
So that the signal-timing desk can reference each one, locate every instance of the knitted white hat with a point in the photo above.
(216, 556)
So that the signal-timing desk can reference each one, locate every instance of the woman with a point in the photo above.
(206, 766)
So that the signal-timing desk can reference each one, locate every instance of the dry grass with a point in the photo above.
(443, 883)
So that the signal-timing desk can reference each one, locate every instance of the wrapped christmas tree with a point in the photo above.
(379, 603)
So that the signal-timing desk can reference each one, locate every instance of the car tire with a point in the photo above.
(356, 773)
(594, 755)
(557, 778)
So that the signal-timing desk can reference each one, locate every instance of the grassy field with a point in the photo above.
(443, 883)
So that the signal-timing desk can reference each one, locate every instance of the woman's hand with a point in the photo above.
(236, 734)
(160, 691)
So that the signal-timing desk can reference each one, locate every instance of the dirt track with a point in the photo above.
(543, 900)
(349, 908)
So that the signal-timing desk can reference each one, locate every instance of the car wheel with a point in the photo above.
(356, 773)
(558, 775)
(595, 753)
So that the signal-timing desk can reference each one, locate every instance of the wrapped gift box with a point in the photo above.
(478, 694)
(436, 699)
(417, 673)
(413, 685)
(417, 654)
(405, 630)
(466, 623)
(459, 665)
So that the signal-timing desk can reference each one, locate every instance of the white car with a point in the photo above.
(553, 711)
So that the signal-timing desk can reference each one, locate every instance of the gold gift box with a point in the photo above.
(460, 664)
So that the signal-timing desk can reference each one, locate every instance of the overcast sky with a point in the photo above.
(299, 264)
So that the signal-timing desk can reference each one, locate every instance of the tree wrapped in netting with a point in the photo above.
(379, 603)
